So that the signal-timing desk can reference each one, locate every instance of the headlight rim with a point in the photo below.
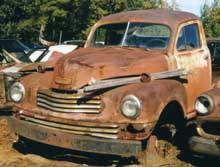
(21, 86)
(211, 102)
(139, 105)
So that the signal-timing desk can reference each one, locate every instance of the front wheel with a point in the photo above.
(164, 146)
(155, 154)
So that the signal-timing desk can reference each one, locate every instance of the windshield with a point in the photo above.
(6, 57)
(140, 35)
(14, 46)
(22, 57)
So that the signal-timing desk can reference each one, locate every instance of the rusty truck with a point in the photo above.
(206, 136)
(138, 73)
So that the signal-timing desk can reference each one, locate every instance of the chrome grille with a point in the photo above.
(69, 103)
(79, 128)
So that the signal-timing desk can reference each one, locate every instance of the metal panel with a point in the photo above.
(75, 142)
(204, 146)
(2, 90)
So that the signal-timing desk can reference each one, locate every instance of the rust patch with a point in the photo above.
(63, 81)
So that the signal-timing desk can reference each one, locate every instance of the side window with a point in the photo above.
(217, 49)
(211, 46)
(188, 38)
(100, 36)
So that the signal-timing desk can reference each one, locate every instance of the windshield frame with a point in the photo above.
(122, 44)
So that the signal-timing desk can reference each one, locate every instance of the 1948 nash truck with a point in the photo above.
(139, 72)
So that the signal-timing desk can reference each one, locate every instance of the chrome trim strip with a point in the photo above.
(72, 127)
(93, 111)
(68, 106)
(68, 101)
(110, 133)
(50, 93)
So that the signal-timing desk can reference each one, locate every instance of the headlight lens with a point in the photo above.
(131, 106)
(17, 92)
(204, 104)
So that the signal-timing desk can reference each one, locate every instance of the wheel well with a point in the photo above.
(172, 117)
(172, 113)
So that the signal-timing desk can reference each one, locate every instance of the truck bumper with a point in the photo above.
(208, 139)
(204, 146)
(62, 139)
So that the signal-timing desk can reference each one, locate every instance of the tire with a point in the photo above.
(163, 147)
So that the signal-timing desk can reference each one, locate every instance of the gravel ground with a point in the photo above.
(18, 154)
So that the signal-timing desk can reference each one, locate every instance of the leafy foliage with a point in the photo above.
(210, 16)
(22, 19)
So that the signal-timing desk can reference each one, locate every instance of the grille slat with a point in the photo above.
(111, 131)
(66, 101)
(70, 103)
(68, 106)
(92, 111)
(53, 94)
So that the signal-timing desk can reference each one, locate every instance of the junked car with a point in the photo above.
(12, 62)
(12, 68)
(139, 73)
(8, 63)
(207, 124)
(15, 56)
(50, 53)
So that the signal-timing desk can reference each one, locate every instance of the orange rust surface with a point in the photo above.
(101, 63)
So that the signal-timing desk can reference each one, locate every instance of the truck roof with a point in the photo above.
(160, 16)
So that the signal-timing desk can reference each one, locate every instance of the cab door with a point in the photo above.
(191, 53)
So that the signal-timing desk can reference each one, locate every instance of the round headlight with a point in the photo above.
(131, 106)
(204, 104)
(17, 92)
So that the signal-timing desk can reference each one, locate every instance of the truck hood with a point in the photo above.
(82, 66)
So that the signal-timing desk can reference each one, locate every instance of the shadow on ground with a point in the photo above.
(199, 160)
(60, 154)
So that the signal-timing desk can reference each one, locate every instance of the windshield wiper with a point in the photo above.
(125, 35)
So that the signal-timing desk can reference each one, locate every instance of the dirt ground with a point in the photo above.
(19, 154)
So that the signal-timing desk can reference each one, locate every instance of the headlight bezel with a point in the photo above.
(205, 102)
(20, 87)
(136, 101)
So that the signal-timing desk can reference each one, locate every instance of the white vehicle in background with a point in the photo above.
(50, 53)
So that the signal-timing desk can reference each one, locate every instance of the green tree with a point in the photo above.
(210, 16)
(22, 19)
(100, 8)
(12, 12)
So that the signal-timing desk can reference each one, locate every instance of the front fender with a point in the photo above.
(154, 96)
